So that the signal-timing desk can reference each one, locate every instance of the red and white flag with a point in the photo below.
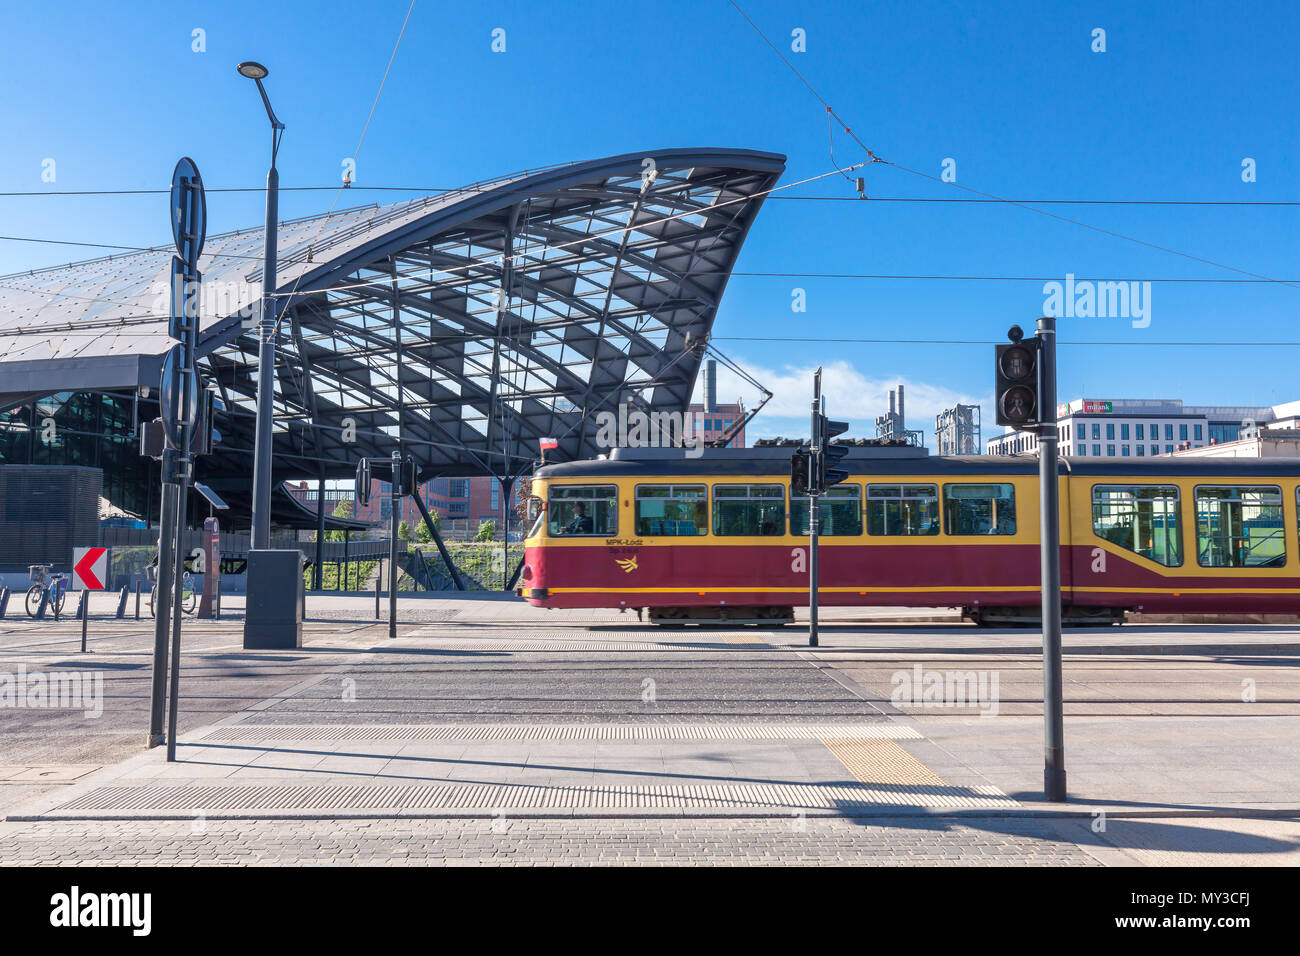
(548, 443)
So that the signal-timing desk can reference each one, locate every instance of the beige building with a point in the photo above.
(1267, 443)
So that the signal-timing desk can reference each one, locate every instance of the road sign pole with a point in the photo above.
(814, 465)
(178, 396)
(85, 617)
(185, 461)
(1050, 535)
(162, 599)
(396, 501)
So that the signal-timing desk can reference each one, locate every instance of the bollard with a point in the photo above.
(379, 580)
(45, 600)
(121, 602)
(4, 602)
(83, 612)
(137, 600)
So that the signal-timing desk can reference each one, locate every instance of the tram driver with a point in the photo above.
(581, 523)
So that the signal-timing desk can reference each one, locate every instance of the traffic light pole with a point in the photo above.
(1050, 536)
(814, 469)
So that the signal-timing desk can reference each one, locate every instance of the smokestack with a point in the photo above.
(902, 419)
(891, 403)
(710, 386)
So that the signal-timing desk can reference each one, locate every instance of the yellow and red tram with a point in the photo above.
(719, 536)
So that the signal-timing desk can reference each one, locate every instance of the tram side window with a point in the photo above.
(902, 509)
(1240, 527)
(745, 510)
(1139, 518)
(578, 510)
(672, 510)
(839, 512)
(979, 509)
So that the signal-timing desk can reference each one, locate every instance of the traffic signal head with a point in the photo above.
(152, 441)
(404, 477)
(831, 453)
(799, 473)
(205, 432)
(363, 483)
(1016, 384)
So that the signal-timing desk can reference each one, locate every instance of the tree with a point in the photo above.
(486, 531)
(341, 510)
(404, 531)
(422, 533)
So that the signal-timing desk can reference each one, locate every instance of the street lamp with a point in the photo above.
(266, 352)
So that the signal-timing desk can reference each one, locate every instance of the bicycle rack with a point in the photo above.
(45, 600)
(121, 603)
(4, 602)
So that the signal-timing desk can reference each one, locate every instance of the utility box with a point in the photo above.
(275, 601)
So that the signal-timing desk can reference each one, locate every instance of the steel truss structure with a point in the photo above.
(461, 328)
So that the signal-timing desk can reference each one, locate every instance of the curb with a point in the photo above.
(885, 812)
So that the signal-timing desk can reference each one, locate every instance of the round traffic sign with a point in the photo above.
(170, 398)
(189, 209)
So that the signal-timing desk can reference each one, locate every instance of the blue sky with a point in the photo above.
(1011, 91)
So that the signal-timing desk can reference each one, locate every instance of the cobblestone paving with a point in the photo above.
(814, 841)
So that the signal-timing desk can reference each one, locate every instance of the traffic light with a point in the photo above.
(831, 453)
(363, 483)
(205, 434)
(152, 439)
(1016, 381)
(404, 477)
(799, 470)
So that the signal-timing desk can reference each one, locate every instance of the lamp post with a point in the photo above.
(266, 329)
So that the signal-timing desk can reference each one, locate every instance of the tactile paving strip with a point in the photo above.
(720, 642)
(487, 797)
(252, 733)
(882, 761)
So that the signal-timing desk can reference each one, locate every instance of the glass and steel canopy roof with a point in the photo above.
(464, 326)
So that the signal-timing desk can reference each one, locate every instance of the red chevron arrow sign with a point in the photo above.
(89, 568)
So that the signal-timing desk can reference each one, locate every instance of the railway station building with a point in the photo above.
(460, 328)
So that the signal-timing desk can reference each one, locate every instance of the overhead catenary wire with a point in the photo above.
(752, 274)
(364, 129)
(985, 195)
(455, 270)
(849, 199)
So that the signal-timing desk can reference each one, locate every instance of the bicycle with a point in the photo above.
(55, 586)
(189, 596)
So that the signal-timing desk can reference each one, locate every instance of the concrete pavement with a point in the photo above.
(582, 739)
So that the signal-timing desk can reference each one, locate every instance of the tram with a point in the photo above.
(720, 537)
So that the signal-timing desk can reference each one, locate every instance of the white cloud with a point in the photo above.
(850, 396)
